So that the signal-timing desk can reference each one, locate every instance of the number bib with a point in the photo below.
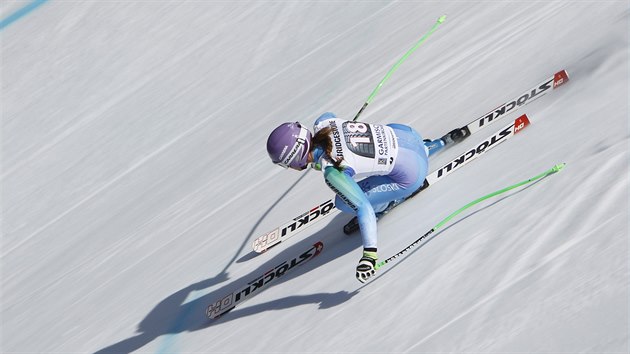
(369, 149)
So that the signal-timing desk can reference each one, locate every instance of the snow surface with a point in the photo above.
(134, 177)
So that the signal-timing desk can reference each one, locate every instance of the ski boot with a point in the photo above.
(456, 135)
(351, 226)
(433, 146)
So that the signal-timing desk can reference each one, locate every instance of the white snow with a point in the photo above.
(135, 177)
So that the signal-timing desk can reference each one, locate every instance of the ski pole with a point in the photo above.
(554, 169)
(404, 57)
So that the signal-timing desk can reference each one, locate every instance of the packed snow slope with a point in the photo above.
(135, 177)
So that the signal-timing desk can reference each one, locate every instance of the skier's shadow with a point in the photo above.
(184, 311)
(160, 320)
(178, 313)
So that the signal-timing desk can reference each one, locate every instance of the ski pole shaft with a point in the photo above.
(400, 61)
(554, 169)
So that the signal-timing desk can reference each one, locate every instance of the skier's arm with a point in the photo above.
(348, 190)
(323, 117)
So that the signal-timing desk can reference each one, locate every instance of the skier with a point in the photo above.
(371, 168)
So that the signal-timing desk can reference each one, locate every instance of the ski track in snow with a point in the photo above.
(613, 196)
(71, 130)
(134, 177)
(556, 253)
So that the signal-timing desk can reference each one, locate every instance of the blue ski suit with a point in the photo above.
(378, 164)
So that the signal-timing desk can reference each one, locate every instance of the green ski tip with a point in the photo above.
(441, 19)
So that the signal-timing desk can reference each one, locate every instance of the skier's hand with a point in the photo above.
(365, 268)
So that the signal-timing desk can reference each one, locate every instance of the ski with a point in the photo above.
(490, 142)
(293, 226)
(319, 212)
(534, 93)
(249, 290)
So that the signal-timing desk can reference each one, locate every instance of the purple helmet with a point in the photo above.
(288, 145)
